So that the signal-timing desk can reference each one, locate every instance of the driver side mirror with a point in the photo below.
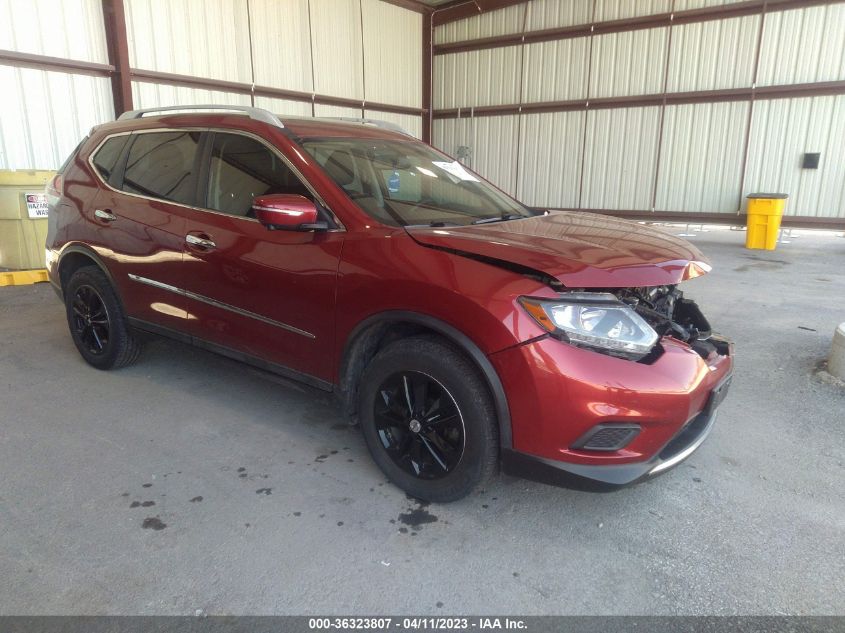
(287, 212)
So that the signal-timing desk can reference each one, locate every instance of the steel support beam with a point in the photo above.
(427, 77)
(55, 64)
(118, 51)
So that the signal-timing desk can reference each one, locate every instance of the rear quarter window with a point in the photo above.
(105, 158)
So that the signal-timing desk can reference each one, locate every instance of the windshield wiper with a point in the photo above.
(499, 218)
(433, 224)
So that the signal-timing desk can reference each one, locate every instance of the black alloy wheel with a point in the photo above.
(419, 424)
(428, 418)
(90, 320)
(98, 325)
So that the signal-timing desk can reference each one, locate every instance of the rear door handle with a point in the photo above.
(200, 242)
(105, 215)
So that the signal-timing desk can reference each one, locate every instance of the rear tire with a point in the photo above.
(428, 419)
(97, 323)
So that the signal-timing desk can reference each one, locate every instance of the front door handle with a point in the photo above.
(105, 215)
(200, 242)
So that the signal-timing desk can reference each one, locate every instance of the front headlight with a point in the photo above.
(594, 319)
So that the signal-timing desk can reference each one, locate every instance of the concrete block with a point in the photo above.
(836, 360)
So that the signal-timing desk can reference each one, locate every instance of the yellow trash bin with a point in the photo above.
(764, 213)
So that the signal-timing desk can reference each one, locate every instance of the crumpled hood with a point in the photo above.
(580, 249)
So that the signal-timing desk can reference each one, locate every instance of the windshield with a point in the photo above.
(404, 183)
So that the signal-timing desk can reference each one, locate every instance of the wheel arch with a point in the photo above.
(374, 332)
(74, 257)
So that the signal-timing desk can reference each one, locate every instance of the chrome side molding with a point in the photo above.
(219, 304)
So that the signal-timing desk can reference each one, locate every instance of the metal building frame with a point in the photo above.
(461, 9)
(121, 75)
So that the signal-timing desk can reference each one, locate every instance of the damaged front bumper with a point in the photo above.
(606, 478)
(558, 394)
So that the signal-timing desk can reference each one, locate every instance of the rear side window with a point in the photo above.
(105, 158)
(161, 165)
(241, 169)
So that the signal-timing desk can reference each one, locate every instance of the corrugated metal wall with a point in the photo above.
(71, 29)
(365, 50)
(44, 114)
(507, 20)
(696, 157)
(477, 78)
(553, 140)
(190, 37)
(713, 55)
(780, 132)
(701, 157)
(619, 158)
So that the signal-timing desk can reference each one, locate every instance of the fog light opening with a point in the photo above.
(607, 437)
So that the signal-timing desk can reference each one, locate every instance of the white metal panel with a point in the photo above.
(44, 115)
(494, 151)
(548, 14)
(338, 49)
(628, 63)
(684, 5)
(620, 157)
(283, 106)
(803, 45)
(550, 158)
(491, 142)
(281, 44)
(781, 132)
(555, 71)
(392, 54)
(713, 55)
(71, 29)
(620, 9)
(190, 37)
(148, 95)
(701, 157)
(823, 191)
(499, 22)
(448, 135)
(476, 78)
(408, 122)
(337, 111)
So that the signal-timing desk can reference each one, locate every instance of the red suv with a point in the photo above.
(461, 329)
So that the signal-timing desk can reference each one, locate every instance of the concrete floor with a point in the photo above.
(268, 503)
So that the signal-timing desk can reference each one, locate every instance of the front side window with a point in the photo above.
(243, 168)
(403, 183)
(105, 158)
(161, 165)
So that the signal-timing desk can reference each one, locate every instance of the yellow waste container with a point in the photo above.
(764, 213)
(23, 221)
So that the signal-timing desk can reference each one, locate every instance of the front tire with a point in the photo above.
(428, 419)
(97, 322)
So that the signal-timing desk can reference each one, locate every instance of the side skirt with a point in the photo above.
(243, 357)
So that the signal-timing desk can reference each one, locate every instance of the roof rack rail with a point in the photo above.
(387, 125)
(258, 114)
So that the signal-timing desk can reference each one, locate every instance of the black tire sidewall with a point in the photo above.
(457, 375)
(118, 333)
